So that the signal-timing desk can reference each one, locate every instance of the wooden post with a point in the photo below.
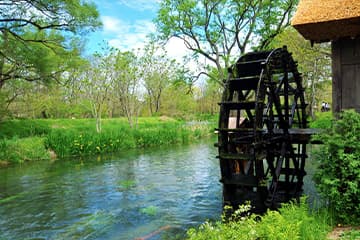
(346, 74)
(336, 76)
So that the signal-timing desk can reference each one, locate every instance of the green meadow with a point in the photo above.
(29, 140)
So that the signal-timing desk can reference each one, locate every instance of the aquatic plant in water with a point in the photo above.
(89, 227)
(151, 210)
(126, 184)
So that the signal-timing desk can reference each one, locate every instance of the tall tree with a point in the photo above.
(222, 29)
(37, 38)
(314, 63)
(157, 71)
(209, 95)
(127, 83)
(94, 83)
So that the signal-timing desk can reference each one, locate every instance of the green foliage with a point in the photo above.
(29, 139)
(314, 63)
(75, 143)
(33, 43)
(338, 174)
(291, 222)
(24, 128)
(218, 30)
(323, 120)
(24, 149)
(83, 141)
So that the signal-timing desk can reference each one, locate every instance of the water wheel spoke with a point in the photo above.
(263, 101)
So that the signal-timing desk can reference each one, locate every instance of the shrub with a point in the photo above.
(23, 149)
(291, 222)
(323, 120)
(338, 174)
(77, 143)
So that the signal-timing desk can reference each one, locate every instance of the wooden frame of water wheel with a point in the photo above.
(262, 134)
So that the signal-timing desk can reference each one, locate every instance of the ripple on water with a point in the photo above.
(119, 197)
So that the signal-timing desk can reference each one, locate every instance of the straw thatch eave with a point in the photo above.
(325, 20)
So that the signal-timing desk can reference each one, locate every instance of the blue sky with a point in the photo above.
(125, 23)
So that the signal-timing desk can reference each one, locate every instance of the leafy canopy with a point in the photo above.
(36, 37)
(221, 29)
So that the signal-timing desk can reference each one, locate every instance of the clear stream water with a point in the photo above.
(153, 193)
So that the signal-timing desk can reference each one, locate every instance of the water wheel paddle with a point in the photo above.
(262, 134)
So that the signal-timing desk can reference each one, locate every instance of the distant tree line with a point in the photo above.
(44, 75)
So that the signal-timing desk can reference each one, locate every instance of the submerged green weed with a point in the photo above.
(88, 227)
(126, 184)
(8, 199)
(151, 210)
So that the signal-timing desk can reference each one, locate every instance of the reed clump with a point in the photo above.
(77, 137)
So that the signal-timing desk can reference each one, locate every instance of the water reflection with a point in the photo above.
(124, 196)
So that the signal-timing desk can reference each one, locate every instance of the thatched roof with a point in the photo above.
(324, 20)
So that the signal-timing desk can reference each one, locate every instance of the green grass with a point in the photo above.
(24, 128)
(292, 221)
(323, 120)
(23, 149)
(76, 137)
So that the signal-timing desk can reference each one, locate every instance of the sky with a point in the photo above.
(126, 23)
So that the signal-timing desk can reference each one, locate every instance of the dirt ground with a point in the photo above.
(337, 232)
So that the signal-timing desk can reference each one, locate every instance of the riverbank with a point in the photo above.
(292, 221)
(30, 140)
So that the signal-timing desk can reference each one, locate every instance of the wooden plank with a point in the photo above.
(350, 51)
(348, 74)
(336, 76)
(239, 105)
(241, 180)
(244, 83)
(357, 87)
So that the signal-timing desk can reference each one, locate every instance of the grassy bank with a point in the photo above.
(323, 120)
(26, 140)
(292, 221)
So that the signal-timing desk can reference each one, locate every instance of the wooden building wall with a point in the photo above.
(346, 74)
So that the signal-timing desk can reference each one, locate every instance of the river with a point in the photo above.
(152, 193)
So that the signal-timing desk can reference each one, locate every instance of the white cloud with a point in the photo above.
(141, 5)
(126, 35)
(176, 49)
(114, 25)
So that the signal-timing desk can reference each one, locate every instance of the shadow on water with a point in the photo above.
(138, 194)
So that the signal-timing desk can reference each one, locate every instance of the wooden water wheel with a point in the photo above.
(262, 134)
